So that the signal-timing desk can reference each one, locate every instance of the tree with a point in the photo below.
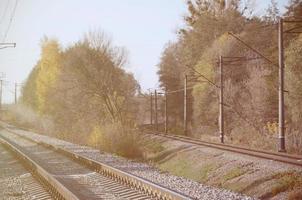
(294, 9)
(48, 71)
(28, 96)
(42, 78)
(171, 77)
(84, 86)
(272, 12)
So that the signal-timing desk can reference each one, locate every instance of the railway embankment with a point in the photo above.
(262, 178)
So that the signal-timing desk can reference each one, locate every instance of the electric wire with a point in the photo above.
(10, 21)
(4, 12)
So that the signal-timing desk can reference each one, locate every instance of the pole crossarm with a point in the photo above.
(8, 43)
(292, 21)
(227, 60)
(297, 29)
(4, 45)
(233, 60)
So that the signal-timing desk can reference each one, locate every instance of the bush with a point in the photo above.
(287, 181)
(116, 139)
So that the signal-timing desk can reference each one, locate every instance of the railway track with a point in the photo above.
(17, 180)
(276, 156)
(71, 176)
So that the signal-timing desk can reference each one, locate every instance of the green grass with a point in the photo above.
(181, 167)
(233, 173)
(155, 147)
(206, 170)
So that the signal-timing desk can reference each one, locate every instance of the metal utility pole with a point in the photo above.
(151, 109)
(281, 88)
(166, 112)
(185, 106)
(16, 87)
(225, 61)
(156, 121)
(3, 46)
(281, 32)
(221, 119)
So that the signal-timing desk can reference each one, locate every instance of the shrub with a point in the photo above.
(117, 139)
(287, 181)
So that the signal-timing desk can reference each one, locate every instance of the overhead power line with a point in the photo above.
(253, 49)
(4, 12)
(10, 21)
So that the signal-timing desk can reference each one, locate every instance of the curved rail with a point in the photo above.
(276, 156)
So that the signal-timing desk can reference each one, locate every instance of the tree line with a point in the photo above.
(250, 87)
(83, 87)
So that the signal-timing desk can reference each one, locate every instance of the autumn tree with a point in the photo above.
(251, 85)
(82, 87)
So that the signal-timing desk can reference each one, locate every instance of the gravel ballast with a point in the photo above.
(16, 182)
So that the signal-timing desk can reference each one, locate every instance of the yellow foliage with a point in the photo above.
(223, 39)
(96, 136)
(47, 73)
(272, 127)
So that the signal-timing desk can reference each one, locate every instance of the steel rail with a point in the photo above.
(33, 185)
(138, 183)
(58, 190)
(281, 157)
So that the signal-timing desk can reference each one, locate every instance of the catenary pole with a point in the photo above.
(281, 88)
(166, 112)
(16, 95)
(221, 118)
(185, 106)
(156, 119)
(151, 109)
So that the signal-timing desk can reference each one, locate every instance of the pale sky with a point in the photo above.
(143, 27)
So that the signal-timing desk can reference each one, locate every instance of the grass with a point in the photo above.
(179, 167)
(287, 181)
(206, 170)
(177, 131)
(233, 173)
(116, 139)
(189, 169)
(237, 187)
(154, 147)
